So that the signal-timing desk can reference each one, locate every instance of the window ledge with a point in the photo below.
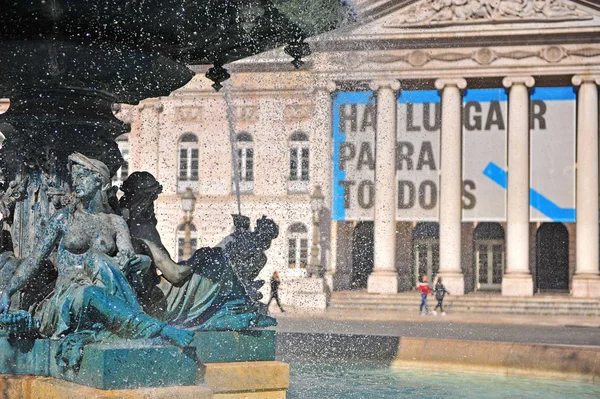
(298, 186)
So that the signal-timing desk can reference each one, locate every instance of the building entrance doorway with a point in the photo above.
(552, 257)
(426, 251)
(362, 254)
(489, 256)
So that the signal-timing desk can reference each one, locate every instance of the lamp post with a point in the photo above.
(188, 202)
(316, 205)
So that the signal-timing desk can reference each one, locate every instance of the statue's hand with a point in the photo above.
(4, 303)
(126, 258)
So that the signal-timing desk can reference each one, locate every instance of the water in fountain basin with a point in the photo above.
(368, 380)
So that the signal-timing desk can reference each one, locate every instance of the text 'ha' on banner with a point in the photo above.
(419, 115)
(552, 154)
(354, 124)
(485, 119)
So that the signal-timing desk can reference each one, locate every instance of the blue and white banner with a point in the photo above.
(418, 155)
(485, 119)
(354, 123)
(485, 126)
(552, 154)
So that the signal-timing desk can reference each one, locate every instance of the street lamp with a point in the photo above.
(188, 203)
(317, 199)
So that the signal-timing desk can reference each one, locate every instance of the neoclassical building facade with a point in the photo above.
(449, 137)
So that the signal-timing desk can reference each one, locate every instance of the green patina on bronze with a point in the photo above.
(73, 262)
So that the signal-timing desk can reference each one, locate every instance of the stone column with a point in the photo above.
(586, 281)
(517, 280)
(321, 169)
(451, 184)
(384, 278)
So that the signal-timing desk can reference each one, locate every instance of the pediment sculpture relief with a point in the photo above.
(444, 12)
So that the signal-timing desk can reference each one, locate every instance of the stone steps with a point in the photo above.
(482, 303)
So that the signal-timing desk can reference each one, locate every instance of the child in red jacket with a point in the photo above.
(425, 290)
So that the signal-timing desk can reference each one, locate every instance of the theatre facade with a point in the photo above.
(450, 138)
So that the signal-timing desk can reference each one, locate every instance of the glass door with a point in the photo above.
(489, 261)
(427, 259)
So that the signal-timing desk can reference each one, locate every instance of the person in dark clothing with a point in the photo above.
(440, 291)
(275, 291)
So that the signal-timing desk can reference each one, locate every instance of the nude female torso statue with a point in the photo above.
(94, 254)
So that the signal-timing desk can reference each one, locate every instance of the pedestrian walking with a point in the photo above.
(275, 291)
(425, 290)
(440, 292)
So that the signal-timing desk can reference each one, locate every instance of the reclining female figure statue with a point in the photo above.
(94, 252)
(215, 288)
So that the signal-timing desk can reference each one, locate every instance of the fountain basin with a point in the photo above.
(222, 360)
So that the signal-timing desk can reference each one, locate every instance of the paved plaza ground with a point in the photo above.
(562, 330)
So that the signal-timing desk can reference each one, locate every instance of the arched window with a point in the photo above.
(188, 162)
(297, 237)
(181, 240)
(123, 172)
(245, 159)
(299, 162)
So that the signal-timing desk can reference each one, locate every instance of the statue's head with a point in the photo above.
(141, 184)
(88, 175)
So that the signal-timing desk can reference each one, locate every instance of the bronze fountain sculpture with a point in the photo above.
(80, 266)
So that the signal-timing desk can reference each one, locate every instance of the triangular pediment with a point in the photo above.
(432, 13)
(429, 17)
(414, 26)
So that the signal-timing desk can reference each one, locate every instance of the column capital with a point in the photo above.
(578, 80)
(456, 82)
(509, 81)
(378, 84)
(329, 86)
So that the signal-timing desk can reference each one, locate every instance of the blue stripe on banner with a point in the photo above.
(536, 200)
(553, 93)
(363, 97)
(353, 97)
(419, 96)
(485, 95)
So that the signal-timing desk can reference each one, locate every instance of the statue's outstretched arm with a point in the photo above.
(30, 266)
(173, 272)
(123, 238)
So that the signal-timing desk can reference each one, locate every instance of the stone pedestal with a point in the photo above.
(586, 286)
(453, 281)
(252, 380)
(307, 293)
(517, 284)
(221, 365)
(234, 346)
(248, 380)
(383, 282)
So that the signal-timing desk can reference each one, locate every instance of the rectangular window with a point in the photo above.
(180, 244)
(183, 163)
(240, 163)
(303, 252)
(249, 164)
(293, 164)
(194, 165)
(304, 175)
(292, 253)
